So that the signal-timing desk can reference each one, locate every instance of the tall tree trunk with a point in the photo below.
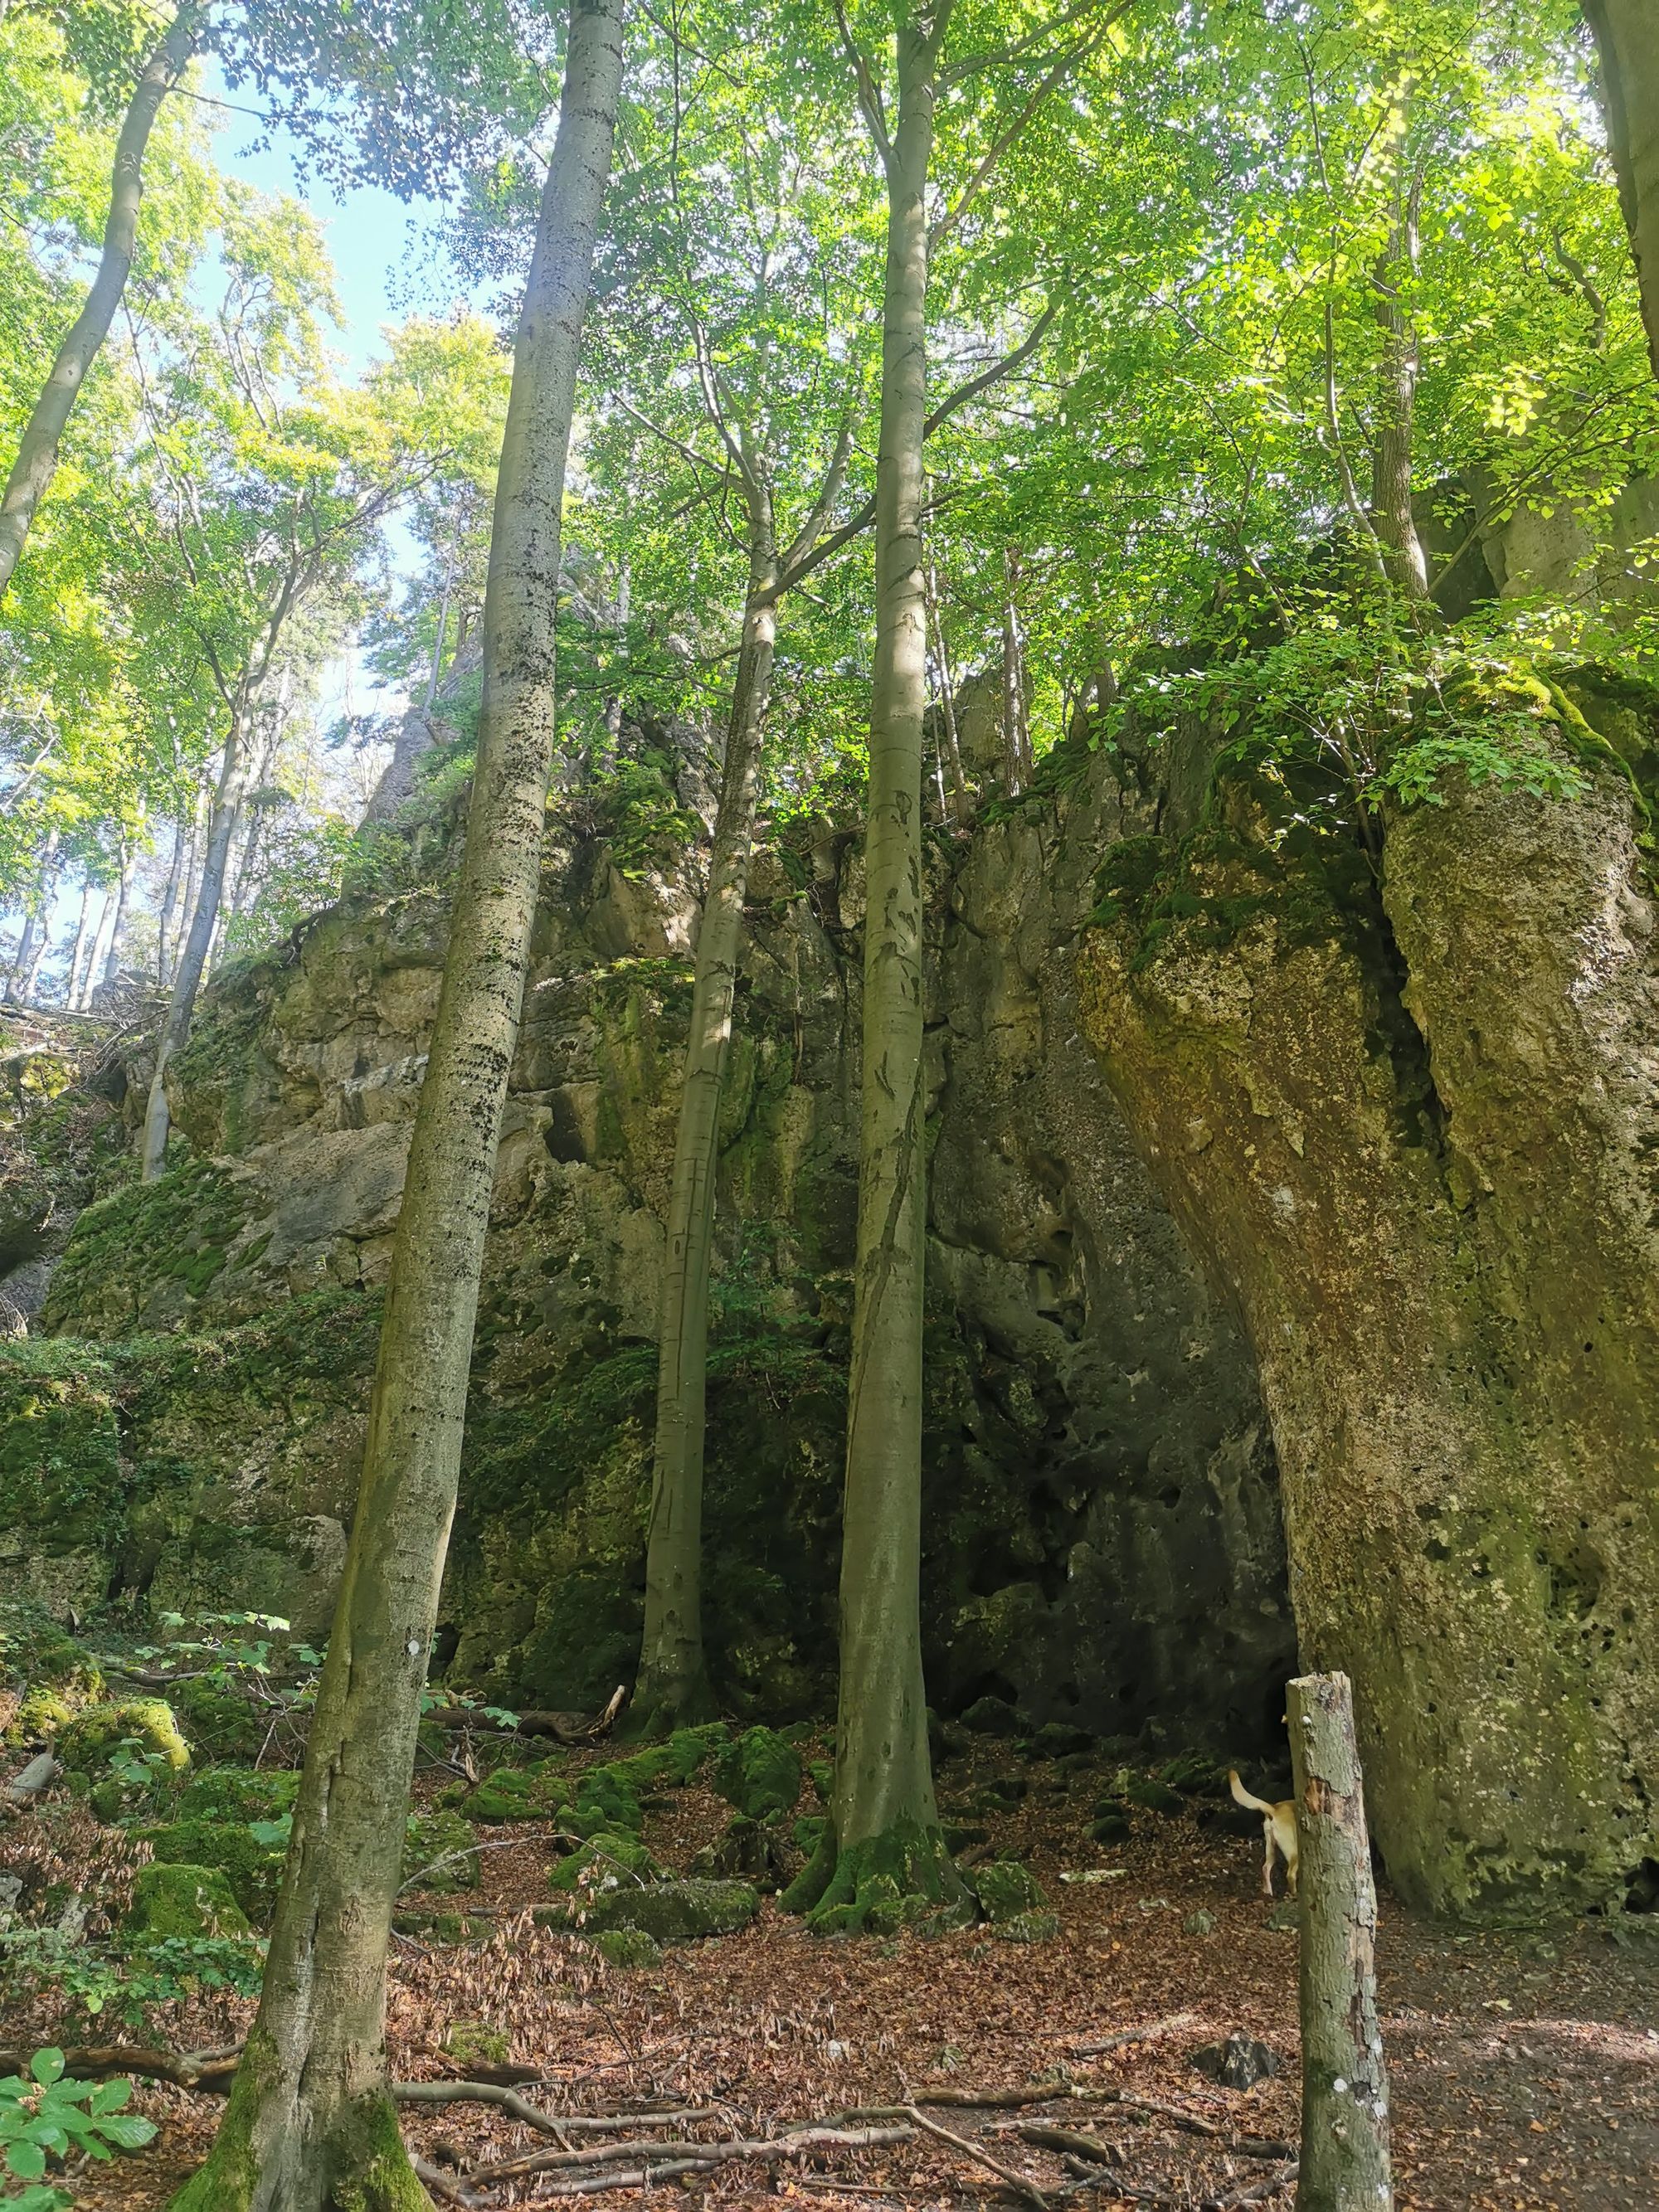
(1016, 726)
(37, 451)
(193, 958)
(169, 900)
(885, 1823)
(673, 1686)
(72, 973)
(94, 951)
(122, 892)
(947, 698)
(1397, 373)
(1630, 91)
(310, 2123)
(192, 875)
(26, 964)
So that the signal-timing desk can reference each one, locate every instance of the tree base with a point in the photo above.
(360, 2165)
(903, 1878)
(662, 1709)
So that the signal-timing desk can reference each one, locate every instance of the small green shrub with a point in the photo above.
(47, 2115)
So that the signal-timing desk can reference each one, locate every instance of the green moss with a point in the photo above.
(218, 1722)
(374, 2172)
(95, 1733)
(899, 1879)
(472, 2043)
(440, 1854)
(607, 1799)
(174, 1898)
(1155, 1796)
(60, 1471)
(628, 1948)
(540, 1791)
(602, 1862)
(671, 1912)
(1027, 1928)
(760, 1774)
(174, 1230)
(252, 1868)
(1006, 1889)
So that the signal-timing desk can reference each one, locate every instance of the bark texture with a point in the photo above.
(673, 1679)
(884, 1805)
(1344, 2165)
(199, 940)
(310, 2123)
(1629, 55)
(1396, 384)
(1410, 1129)
(37, 453)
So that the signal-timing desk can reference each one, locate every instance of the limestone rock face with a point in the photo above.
(1407, 1117)
(1102, 1520)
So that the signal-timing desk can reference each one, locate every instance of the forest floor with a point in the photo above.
(1524, 2066)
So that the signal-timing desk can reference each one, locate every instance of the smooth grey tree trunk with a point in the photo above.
(1344, 2164)
(169, 900)
(1629, 50)
(31, 941)
(884, 1825)
(310, 2122)
(72, 972)
(37, 453)
(198, 941)
(673, 1686)
(123, 893)
(947, 698)
(1396, 397)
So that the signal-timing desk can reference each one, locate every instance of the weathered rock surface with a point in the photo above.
(1103, 1539)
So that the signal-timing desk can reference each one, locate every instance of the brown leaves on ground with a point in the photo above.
(1525, 2071)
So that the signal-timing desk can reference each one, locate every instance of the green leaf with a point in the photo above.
(128, 2131)
(26, 2159)
(110, 2096)
(47, 2065)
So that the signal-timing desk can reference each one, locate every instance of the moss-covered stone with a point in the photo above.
(238, 1793)
(253, 1869)
(760, 1774)
(1154, 1796)
(1006, 1889)
(94, 1734)
(175, 1899)
(1026, 1927)
(440, 1853)
(607, 1801)
(628, 1948)
(219, 1723)
(540, 1791)
(474, 2043)
(674, 1912)
(602, 1863)
(138, 1258)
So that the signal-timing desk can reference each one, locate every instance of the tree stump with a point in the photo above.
(1345, 2089)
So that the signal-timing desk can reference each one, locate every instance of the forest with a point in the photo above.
(830, 1152)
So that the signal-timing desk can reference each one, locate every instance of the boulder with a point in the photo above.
(440, 1854)
(760, 1774)
(179, 1899)
(1007, 1890)
(86, 1742)
(676, 1911)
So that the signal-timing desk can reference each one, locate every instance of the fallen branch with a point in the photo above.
(532, 2115)
(1159, 2109)
(1049, 2137)
(26, 1785)
(444, 2186)
(1154, 2032)
(1021, 2187)
(657, 2161)
(1034, 2093)
(564, 1728)
(94, 2062)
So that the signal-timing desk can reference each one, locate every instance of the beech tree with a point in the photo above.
(1629, 92)
(310, 2122)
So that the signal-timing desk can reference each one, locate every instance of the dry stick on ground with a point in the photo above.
(686, 2157)
(93, 2061)
(1154, 2032)
(1047, 2137)
(1017, 2182)
(552, 2123)
(444, 2186)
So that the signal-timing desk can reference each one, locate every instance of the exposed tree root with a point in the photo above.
(653, 2162)
(904, 1878)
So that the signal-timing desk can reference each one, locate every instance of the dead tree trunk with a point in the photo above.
(1345, 2085)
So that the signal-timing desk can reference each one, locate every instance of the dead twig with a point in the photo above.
(444, 2186)
(1153, 2032)
(1027, 2189)
(658, 2161)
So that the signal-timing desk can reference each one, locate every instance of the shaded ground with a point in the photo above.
(1525, 2067)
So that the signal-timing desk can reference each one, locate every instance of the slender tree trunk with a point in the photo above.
(193, 876)
(169, 900)
(37, 451)
(1630, 91)
(1015, 727)
(94, 951)
(310, 2123)
(122, 892)
(193, 957)
(947, 700)
(673, 1686)
(1345, 2084)
(31, 939)
(884, 1824)
(1396, 407)
(71, 974)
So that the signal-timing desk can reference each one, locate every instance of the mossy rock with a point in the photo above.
(676, 1911)
(1058, 1740)
(822, 1776)
(539, 1792)
(628, 1947)
(218, 1723)
(1027, 1928)
(750, 1851)
(1005, 1888)
(1194, 1776)
(1156, 1797)
(42, 1716)
(174, 1898)
(440, 1854)
(607, 1803)
(602, 1863)
(760, 1774)
(671, 1765)
(474, 2043)
(1110, 1828)
(992, 1716)
(238, 1793)
(253, 1869)
(94, 1735)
